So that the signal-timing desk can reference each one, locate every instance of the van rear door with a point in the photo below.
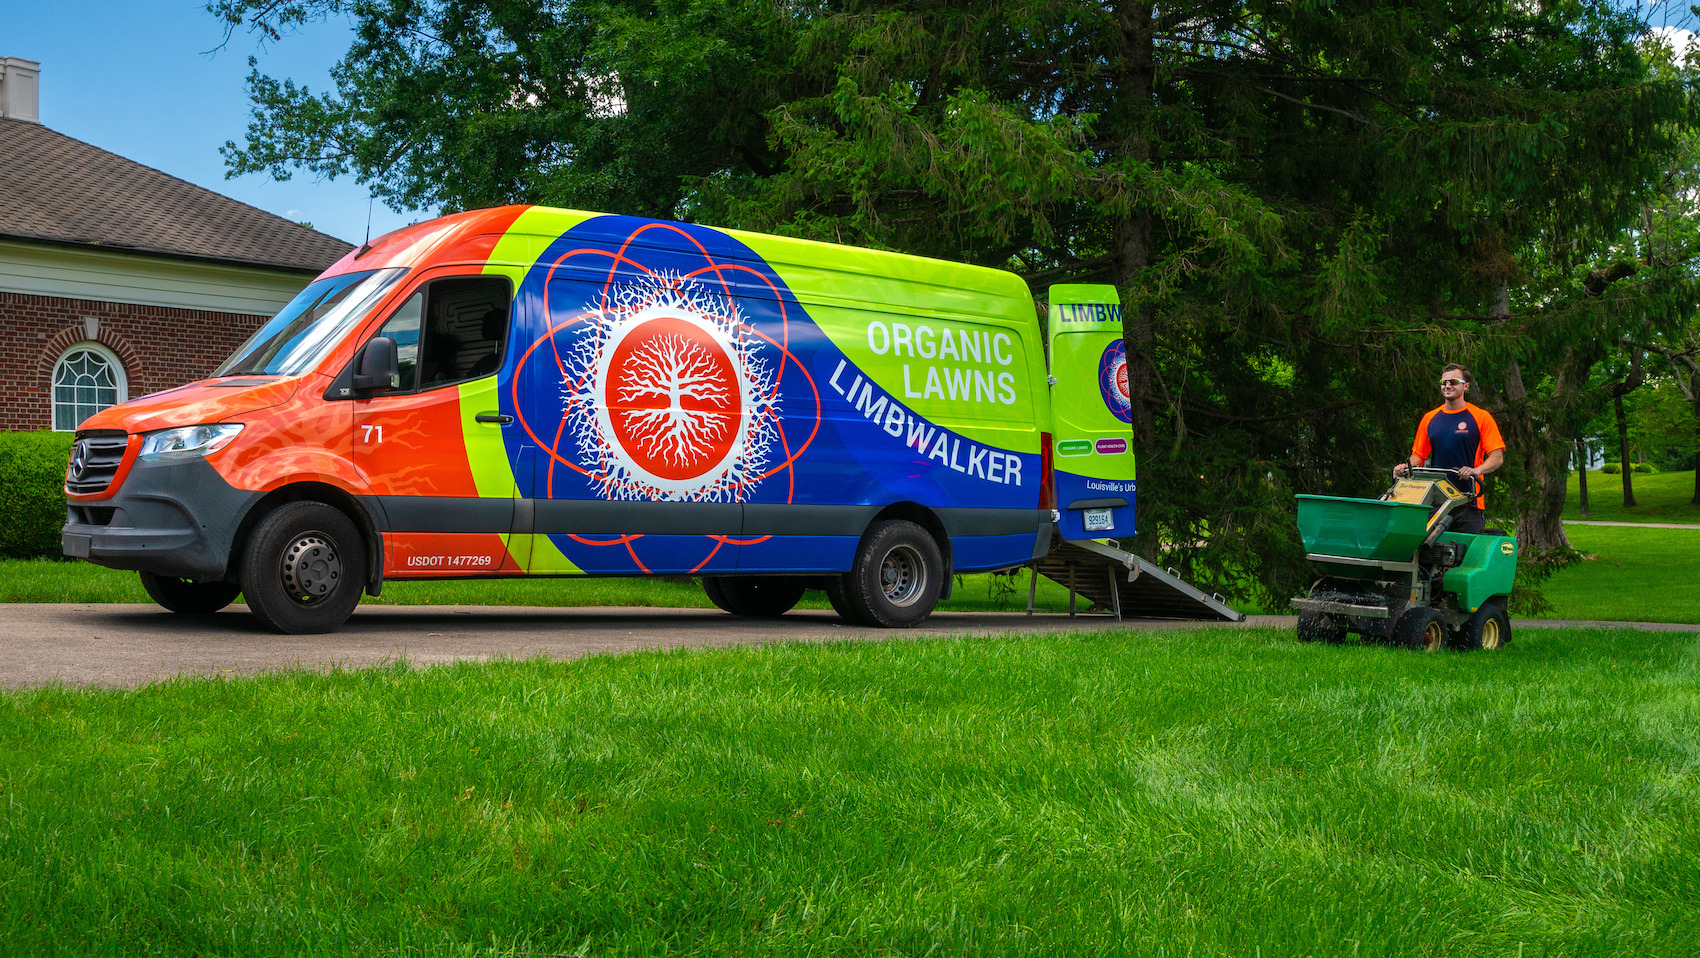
(1091, 408)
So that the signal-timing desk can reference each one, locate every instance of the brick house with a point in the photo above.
(117, 280)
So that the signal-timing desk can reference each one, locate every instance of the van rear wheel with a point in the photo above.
(756, 596)
(304, 568)
(895, 579)
(188, 597)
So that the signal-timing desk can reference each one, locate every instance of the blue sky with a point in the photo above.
(135, 77)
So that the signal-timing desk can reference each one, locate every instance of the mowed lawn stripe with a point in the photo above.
(1217, 791)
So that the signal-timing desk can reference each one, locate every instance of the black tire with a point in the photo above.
(1319, 627)
(304, 568)
(1489, 628)
(188, 597)
(756, 596)
(894, 581)
(712, 587)
(1420, 628)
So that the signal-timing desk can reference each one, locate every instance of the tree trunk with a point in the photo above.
(1636, 377)
(1133, 71)
(1696, 402)
(1543, 454)
(1133, 254)
(1623, 451)
(1135, 74)
(1690, 385)
(1685, 365)
(1582, 477)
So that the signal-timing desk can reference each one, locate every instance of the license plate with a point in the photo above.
(75, 546)
(1098, 520)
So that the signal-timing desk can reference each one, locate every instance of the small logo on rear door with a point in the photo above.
(1112, 381)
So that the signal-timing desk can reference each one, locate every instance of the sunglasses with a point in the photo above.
(1453, 382)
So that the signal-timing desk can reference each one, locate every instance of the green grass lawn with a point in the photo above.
(1197, 792)
(1629, 575)
(1659, 497)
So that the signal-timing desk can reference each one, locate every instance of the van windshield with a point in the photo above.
(297, 339)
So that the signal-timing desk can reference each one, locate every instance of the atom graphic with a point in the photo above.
(652, 381)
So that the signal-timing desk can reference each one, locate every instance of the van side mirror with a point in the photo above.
(378, 368)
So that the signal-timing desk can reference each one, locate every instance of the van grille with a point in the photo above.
(95, 458)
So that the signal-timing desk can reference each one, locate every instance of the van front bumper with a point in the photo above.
(170, 518)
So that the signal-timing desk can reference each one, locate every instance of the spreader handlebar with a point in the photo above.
(1474, 490)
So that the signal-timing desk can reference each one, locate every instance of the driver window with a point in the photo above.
(450, 331)
(403, 327)
(465, 327)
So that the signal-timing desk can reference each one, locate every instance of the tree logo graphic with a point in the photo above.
(672, 399)
(668, 398)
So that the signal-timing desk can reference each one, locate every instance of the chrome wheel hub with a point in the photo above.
(311, 567)
(902, 575)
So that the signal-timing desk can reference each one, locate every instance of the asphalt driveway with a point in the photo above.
(129, 645)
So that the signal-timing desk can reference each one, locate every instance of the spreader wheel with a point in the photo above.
(1489, 628)
(1320, 627)
(1420, 628)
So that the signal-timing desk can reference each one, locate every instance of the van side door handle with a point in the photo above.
(494, 417)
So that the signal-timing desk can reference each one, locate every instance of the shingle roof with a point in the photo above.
(61, 190)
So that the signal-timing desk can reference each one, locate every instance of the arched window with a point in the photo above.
(87, 379)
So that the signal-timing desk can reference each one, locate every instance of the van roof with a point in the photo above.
(475, 235)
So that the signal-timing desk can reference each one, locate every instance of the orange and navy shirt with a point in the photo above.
(1453, 440)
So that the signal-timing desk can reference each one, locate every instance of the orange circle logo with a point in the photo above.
(673, 399)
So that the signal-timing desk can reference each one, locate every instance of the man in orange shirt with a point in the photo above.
(1458, 435)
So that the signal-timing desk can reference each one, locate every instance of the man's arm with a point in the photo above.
(1493, 461)
(1404, 468)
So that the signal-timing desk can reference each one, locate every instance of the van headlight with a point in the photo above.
(189, 442)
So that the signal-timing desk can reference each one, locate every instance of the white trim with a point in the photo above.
(120, 378)
(144, 280)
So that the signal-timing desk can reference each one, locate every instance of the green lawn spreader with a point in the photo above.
(1392, 572)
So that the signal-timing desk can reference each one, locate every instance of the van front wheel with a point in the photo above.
(188, 597)
(895, 579)
(304, 568)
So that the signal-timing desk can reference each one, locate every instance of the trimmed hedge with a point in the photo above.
(32, 493)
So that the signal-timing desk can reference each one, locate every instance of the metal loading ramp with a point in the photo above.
(1123, 584)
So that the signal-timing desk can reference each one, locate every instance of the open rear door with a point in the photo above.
(1091, 408)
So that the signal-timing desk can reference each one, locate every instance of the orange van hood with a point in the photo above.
(207, 401)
